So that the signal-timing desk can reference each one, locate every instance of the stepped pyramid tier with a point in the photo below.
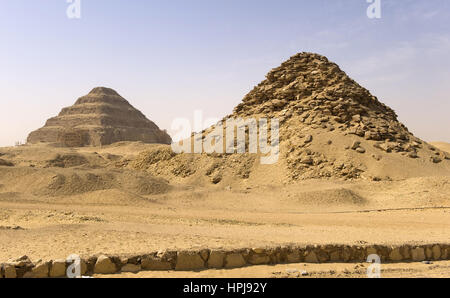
(100, 118)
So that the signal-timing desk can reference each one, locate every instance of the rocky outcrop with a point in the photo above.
(100, 118)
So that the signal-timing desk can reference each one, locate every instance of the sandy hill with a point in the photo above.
(442, 145)
(330, 126)
(100, 118)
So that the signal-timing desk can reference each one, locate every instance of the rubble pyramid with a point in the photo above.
(100, 118)
(329, 127)
(329, 124)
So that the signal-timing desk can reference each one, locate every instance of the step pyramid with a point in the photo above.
(100, 118)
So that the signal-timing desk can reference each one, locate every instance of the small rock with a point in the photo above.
(418, 254)
(40, 270)
(307, 160)
(131, 268)
(436, 159)
(360, 150)
(311, 258)
(259, 259)
(234, 260)
(216, 259)
(10, 271)
(412, 155)
(308, 139)
(58, 268)
(154, 263)
(355, 145)
(189, 261)
(104, 265)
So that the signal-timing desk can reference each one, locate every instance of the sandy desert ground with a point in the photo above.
(182, 216)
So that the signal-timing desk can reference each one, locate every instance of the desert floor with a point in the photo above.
(213, 219)
(413, 211)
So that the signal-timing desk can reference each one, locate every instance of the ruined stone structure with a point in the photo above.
(100, 118)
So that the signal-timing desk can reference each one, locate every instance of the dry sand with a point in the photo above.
(115, 219)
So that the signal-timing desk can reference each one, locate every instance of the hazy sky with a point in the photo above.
(171, 57)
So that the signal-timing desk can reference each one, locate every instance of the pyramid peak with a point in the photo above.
(103, 91)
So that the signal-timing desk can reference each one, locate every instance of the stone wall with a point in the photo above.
(216, 259)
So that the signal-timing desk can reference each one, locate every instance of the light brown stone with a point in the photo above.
(40, 270)
(10, 271)
(436, 250)
(428, 253)
(58, 268)
(311, 257)
(189, 261)
(293, 257)
(335, 256)
(104, 265)
(131, 268)
(396, 255)
(204, 254)
(418, 254)
(216, 259)
(259, 259)
(154, 263)
(234, 260)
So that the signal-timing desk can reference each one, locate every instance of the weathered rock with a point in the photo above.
(58, 268)
(259, 259)
(308, 139)
(131, 268)
(335, 256)
(428, 253)
(360, 150)
(40, 270)
(436, 252)
(21, 262)
(418, 254)
(216, 259)
(395, 255)
(311, 257)
(6, 163)
(189, 261)
(234, 260)
(9, 271)
(155, 263)
(355, 145)
(413, 155)
(104, 265)
(436, 159)
(293, 257)
(204, 254)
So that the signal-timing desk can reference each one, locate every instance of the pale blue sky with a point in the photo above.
(171, 57)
